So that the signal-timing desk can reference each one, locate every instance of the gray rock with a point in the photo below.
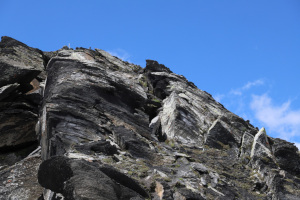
(260, 144)
(17, 124)
(19, 63)
(287, 156)
(78, 179)
(219, 137)
(19, 181)
(200, 167)
(154, 66)
(179, 121)
(6, 90)
(109, 129)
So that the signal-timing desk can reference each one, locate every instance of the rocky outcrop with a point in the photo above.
(22, 71)
(79, 179)
(22, 74)
(109, 129)
(19, 181)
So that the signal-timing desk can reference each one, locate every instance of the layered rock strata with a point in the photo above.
(109, 129)
(22, 71)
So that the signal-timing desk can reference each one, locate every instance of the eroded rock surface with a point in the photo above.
(22, 71)
(109, 129)
(19, 181)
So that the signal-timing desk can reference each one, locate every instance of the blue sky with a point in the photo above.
(245, 53)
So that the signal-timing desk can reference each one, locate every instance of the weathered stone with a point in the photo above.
(123, 180)
(9, 156)
(110, 94)
(260, 144)
(155, 126)
(179, 121)
(17, 124)
(128, 141)
(184, 194)
(109, 129)
(154, 66)
(19, 63)
(286, 156)
(200, 167)
(246, 147)
(78, 179)
(218, 137)
(6, 90)
(19, 181)
(105, 147)
(115, 63)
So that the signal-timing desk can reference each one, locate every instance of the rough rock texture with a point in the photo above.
(109, 129)
(20, 94)
(79, 179)
(19, 181)
(22, 74)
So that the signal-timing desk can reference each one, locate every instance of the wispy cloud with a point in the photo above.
(297, 144)
(279, 119)
(219, 97)
(251, 84)
(247, 86)
(239, 91)
(120, 53)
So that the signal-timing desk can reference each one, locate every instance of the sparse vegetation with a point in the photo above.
(289, 180)
(156, 100)
(143, 82)
(224, 146)
(170, 142)
(108, 160)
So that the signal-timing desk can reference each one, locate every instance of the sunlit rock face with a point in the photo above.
(88, 125)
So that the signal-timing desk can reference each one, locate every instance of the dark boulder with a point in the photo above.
(286, 156)
(79, 179)
(127, 140)
(154, 66)
(218, 137)
(19, 63)
(123, 180)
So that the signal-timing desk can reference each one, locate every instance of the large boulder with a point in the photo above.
(219, 137)
(287, 156)
(79, 179)
(75, 82)
(19, 63)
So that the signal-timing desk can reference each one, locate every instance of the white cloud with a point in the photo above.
(251, 84)
(120, 53)
(237, 92)
(247, 86)
(297, 144)
(281, 120)
(219, 97)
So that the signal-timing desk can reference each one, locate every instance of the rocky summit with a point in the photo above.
(82, 124)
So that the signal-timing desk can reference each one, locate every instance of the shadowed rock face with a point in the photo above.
(22, 71)
(77, 179)
(109, 129)
(19, 93)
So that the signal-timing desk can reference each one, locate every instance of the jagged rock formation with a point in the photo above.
(108, 129)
